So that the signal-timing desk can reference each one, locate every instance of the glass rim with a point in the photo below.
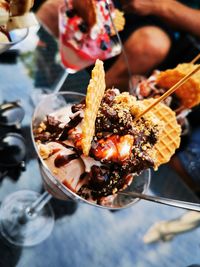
(11, 43)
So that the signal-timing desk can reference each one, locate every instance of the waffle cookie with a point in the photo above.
(118, 20)
(169, 139)
(95, 92)
(189, 92)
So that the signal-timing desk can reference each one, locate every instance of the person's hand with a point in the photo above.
(144, 7)
(48, 15)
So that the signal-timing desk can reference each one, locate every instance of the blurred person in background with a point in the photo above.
(152, 28)
(151, 33)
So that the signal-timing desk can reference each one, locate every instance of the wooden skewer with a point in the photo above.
(169, 92)
(195, 59)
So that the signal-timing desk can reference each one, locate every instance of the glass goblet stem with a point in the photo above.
(31, 211)
(61, 82)
(26, 219)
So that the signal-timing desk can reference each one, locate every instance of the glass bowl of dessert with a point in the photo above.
(66, 172)
(96, 149)
(88, 31)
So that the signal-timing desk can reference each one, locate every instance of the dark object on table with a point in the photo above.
(10, 56)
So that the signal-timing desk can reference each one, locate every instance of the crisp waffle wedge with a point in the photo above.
(95, 92)
(189, 92)
(87, 10)
(118, 20)
(169, 138)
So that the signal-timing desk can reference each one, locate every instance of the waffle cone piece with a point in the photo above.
(169, 138)
(118, 20)
(95, 92)
(189, 92)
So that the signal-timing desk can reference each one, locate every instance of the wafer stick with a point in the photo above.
(195, 59)
(169, 92)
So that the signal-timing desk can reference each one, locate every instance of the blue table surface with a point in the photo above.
(84, 235)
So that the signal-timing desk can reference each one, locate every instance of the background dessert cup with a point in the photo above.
(80, 43)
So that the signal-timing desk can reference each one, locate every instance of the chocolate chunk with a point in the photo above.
(83, 27)
(70, 13)
(103, 46)
(78, 107)
(70, 125)
(107, 28)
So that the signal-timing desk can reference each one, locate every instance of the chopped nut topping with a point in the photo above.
(44, 151)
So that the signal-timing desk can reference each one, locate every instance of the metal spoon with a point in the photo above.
(165, 201)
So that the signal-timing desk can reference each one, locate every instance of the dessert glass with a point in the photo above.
(26, 218)
(74, 58)
(79, 49)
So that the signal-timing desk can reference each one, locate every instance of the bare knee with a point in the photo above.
(148, 45)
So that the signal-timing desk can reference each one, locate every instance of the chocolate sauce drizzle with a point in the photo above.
(62, 160)
(70, 125)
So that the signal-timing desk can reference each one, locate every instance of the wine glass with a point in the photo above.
(25, 219)
(16, 36)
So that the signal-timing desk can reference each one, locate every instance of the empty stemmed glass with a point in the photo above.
(25, 217)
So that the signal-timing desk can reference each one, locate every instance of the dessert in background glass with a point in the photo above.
(15, 19)
(26, 218)
(80, 43)
(145, 88)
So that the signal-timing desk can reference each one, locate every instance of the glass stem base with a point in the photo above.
(26, 219)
